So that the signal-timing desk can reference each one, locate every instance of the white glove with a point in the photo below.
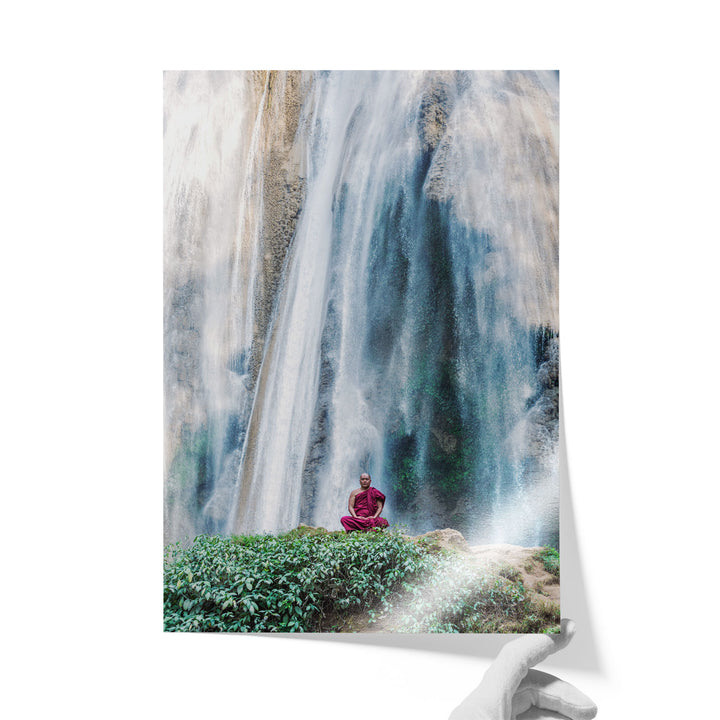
(511, 691)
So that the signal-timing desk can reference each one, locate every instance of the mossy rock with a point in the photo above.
(303, 530)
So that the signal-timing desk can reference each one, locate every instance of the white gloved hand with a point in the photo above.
(510, 690)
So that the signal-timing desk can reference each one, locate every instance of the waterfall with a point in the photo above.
(361, 274)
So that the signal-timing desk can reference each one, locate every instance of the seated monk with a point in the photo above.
(365, 505)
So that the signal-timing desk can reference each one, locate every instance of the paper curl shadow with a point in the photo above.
(582, 654)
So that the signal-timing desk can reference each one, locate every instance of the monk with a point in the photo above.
(365, 505)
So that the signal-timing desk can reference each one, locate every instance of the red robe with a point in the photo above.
(366, 503)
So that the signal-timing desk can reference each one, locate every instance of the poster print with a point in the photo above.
(361, 351)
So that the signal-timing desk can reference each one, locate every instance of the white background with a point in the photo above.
(82, 360)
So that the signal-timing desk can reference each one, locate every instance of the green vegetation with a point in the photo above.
(550, 558)
(290, 583)
(309, 580)
(455, 598)
(509, 572)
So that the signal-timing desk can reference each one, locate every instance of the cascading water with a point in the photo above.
(361, 274)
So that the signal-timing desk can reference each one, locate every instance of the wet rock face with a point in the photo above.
(448, 443)
(203, 236)
(549, 380)
(434, 112)
(543, 428)
(183, 312)
(320, 432)
(436, 106)
(283, 191)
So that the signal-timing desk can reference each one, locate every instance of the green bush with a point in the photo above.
(457, 598)
(288, 583)
(550, 559)
(309, 580)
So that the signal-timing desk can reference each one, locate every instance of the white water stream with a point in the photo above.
(417, 286)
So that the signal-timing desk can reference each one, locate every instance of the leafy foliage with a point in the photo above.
(456, 598)
(289, 583)
(550, 559)
(310, 580)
